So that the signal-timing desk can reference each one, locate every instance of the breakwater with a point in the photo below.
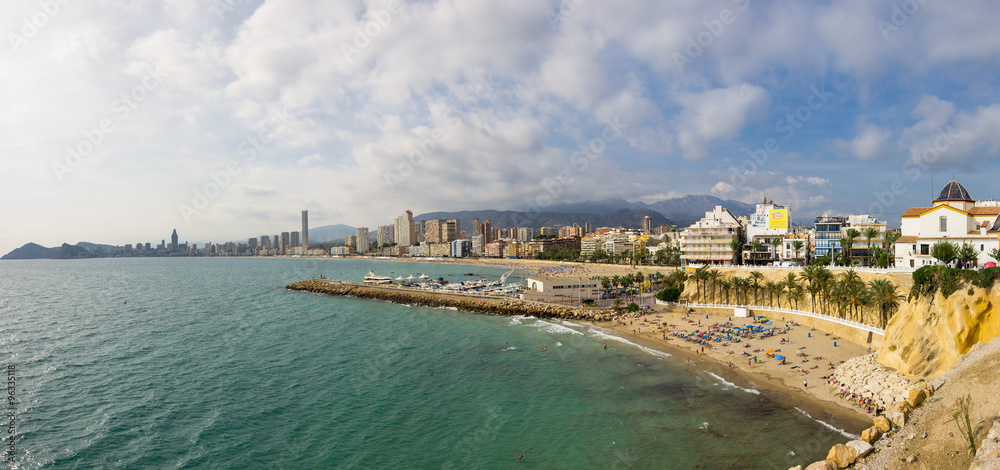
(504, 306)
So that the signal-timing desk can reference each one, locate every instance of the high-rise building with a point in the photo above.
(277, 243)
(647, 224)
(305, 230)
(295, 239)
(173, 240)
(486, 230)
(285, 242)
(252, 244)
(405, 233)
(265, 242)
(588, 227)
(451, 231)
(351, 241)
(435, 230)
(362, 241)
(475, 226)
(384, 236)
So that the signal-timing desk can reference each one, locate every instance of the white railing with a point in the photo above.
(863, 269)
(840, 321)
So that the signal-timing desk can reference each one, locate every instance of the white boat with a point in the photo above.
(374, 279)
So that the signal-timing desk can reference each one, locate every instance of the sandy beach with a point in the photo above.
(810, 354)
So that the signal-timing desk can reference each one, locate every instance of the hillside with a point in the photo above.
(31, 251)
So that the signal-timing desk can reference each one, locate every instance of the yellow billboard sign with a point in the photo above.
(778, 219)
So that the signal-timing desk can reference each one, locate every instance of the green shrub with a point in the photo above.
(670, 294)
(632, 307)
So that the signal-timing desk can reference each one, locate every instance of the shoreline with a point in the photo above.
(780, 384)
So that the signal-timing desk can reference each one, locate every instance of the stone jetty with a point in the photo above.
(504, 306)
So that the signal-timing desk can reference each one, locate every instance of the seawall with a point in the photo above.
(487, 305)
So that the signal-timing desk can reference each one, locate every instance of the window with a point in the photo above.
(944, 223)
(925, 249)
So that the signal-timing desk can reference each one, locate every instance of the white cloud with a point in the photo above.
(871, 143)
(718, 114)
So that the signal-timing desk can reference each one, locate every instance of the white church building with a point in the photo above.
(953, 217)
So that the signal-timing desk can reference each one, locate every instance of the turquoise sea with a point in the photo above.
(210, 363)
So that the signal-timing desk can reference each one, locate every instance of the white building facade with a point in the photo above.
(953, 217)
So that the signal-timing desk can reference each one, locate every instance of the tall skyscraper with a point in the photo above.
(173, 240)
(452, 230)
(647, 224)
(305, 230)
(295, 239)
(434, 231)
(285, 242)
(405, 232)
(384, 236)
(475, 226)
(363, 240)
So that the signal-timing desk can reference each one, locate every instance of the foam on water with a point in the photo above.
(830, 426)
(553, 328)
(601, 334)
(728, 384)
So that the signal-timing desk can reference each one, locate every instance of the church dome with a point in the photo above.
(954, 191)
(996, 226)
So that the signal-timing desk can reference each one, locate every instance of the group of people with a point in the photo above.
(866, 403)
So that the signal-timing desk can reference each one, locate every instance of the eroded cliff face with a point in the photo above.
(925, 338)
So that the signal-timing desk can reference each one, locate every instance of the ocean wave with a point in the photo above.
(603, 335)
(553, 328)
(558, 343)
(729, 384)
(829, 426)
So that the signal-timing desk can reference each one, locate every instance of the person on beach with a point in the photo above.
(805, 384)
(605, 345)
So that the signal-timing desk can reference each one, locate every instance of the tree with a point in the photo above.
(737, 248)
(776, 244)
(886, 296)
(946, 252)
(724, 286)
(797, 246)
(754, 246)
(967, 254)
(844, 259)
(771, 288)
(606, 285)
(870, 233)
(995, 254)
(713, 275)
(791, 283)
(756, 277)
(852, 236)
(888, 242)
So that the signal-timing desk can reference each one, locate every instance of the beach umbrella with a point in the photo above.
(989, 264)
(778, 358)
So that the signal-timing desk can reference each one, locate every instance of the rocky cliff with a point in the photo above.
(927, 337)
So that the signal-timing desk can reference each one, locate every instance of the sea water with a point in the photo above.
(210, 363)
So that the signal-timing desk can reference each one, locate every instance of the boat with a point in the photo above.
(372, 279)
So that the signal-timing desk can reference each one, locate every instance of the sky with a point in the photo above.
(224, 118)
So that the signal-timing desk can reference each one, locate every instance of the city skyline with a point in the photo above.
(216, 118)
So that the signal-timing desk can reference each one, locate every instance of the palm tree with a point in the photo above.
(739, 287)
(854, 288)
(771, 288)
(852, 236)
(775, 243)
(755, 277)
(724, 286)
(797, 245)
(736, 246)
(888, 242)
(713, 275)
(886, 296)
(843, 252)
(754, 246)
(790, 284)
(870, 233)
(796, 295)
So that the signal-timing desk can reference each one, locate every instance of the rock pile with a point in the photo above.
(988, 455)
(493, 306)
(863, 378)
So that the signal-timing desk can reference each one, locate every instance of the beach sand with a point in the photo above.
(783, 383)
(786, 381)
